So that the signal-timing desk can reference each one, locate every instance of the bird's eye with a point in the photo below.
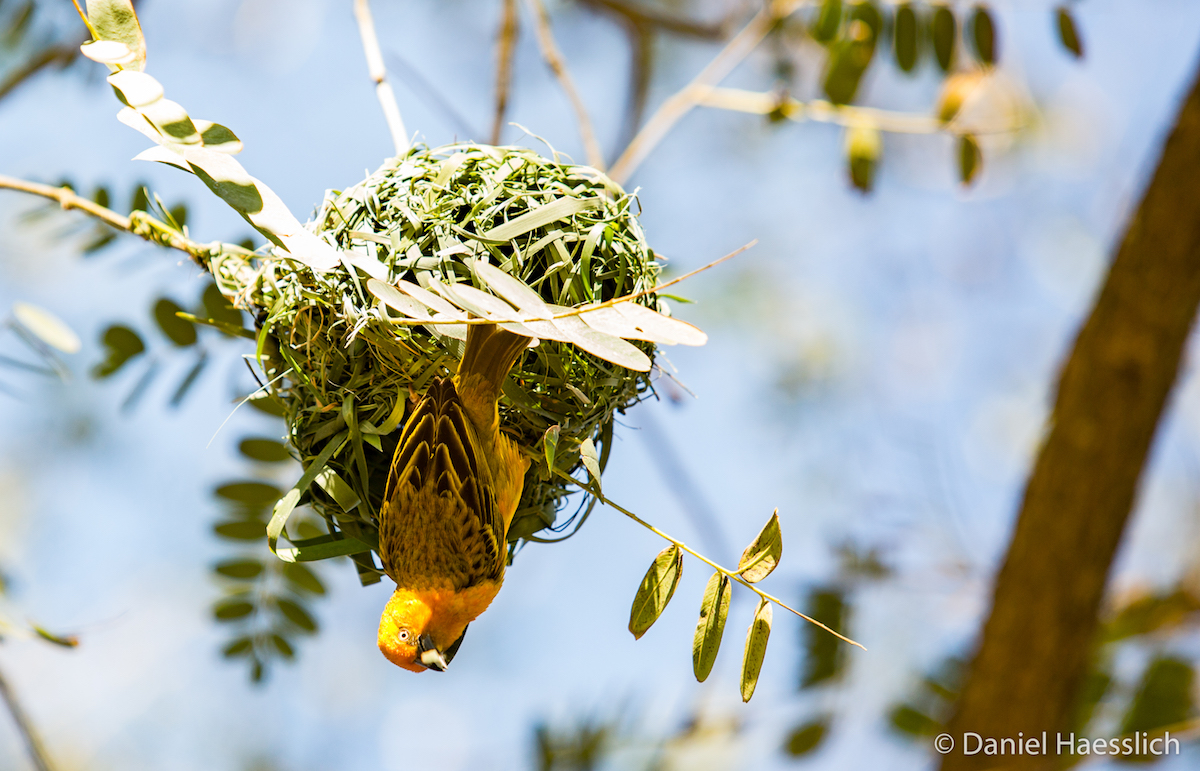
(402, 635)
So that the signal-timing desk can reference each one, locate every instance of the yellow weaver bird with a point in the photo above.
(452, 490)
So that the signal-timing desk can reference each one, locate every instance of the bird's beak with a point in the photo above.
(429, 655)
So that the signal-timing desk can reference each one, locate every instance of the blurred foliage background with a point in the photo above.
(936, 189)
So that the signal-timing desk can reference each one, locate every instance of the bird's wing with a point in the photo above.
(438, 455)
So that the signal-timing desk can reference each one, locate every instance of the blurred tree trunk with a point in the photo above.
(1035, 646)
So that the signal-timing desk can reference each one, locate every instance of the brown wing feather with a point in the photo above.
(436, 456)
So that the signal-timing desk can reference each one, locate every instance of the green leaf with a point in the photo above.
(863, 146)
(631, 321)
(329, 481)
(267, 404)
(824, 656)
(228, 330)
(296, 614)
(1164, 697)
(656, 590)
(283, 508)
(970, 159)
(140, 200)
(847, 62)
(756, 648)
(218, 308)
(1068, 31)
(828, 21)
(1151, 613)
(239, 568)
(983, 35)
(218, 137)
(907, 719)
(46, 327)
(605, 346)
(714, 609)
(179, 331)
(190, 379)
(303, 578)
(550, 443)
(283, 646)
(591, 460)
(122, 344)
(253, 493)
(231, 610)
(762, 555)
(238, 647)
(558, 209)
(66, 641)
(397, 300)
(807, 737)
(264, 450)
(944, 34)
(323, 547)
(906, 37)
(241, 530)
(116, 20)
(179, 215)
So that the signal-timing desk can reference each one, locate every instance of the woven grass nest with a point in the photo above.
(345, 355)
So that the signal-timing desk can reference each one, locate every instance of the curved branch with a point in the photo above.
(680, 103)
(554, 60)
(139, 223)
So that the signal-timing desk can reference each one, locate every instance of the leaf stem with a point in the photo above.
(383, 89)
(591, 488)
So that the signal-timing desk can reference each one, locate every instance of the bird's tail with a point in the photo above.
(490, 353)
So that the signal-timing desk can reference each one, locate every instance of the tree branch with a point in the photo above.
(139, 223)
(1111, 395)
(554, 60)
(62, 55)
(37, 753)
(383, 89)
(506, 47)
(680, 103)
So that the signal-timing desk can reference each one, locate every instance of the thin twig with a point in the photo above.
(641, 72)
(760, 103)
(554, 60)
(680, 103)
(640, 25)
(506, 47)
(383, 89)
(139, 224)
(591, 488)
(37, 753)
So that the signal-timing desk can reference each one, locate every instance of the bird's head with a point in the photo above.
(411, 637)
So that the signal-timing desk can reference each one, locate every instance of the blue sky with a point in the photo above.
(879, 369)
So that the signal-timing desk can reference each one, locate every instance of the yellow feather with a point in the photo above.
(453, 489)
